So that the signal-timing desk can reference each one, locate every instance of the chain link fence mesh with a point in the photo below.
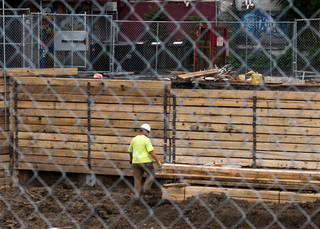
(235, 154)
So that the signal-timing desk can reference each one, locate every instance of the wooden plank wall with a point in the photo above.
(4, 134)
(216, 126)
(53, 123)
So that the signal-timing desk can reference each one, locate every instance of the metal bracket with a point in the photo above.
(254, 131)
(89, 126)
(16, 122)
(165, 112)
(174, 129)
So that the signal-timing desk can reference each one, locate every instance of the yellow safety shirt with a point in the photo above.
(140, 147)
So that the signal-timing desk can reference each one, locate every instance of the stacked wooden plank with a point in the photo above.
(217, 75)
(288, 129)
(213, 127)
(28, 72)
(60, 131)
(216, 127)
(279, 186)
(4, 134)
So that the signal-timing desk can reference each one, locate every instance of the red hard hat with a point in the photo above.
(97, 76)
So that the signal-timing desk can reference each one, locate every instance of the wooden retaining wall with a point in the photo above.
(4, 134)
(217, 127)
(211, 126)
(53, 131)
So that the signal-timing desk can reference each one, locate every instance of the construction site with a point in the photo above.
(232, 105)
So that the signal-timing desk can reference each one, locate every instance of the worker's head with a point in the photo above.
(145, 128)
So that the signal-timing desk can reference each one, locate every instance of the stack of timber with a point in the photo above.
(213, 127)
(28, 72)
(253, 185)
(217, 127)
(5, 133)
(60, 129)
(219, 75)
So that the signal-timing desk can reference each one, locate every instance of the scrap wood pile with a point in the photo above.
(252, 184)
(216, 75)
(225, 74)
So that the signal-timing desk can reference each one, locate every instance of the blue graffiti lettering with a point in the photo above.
(261, 25)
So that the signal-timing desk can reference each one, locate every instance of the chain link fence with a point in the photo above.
(234, 154)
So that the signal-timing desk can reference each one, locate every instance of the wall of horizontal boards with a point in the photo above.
(217, 127)
(5, 133)
(60, 129)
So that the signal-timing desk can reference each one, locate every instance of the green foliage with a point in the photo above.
(285, 59)
(196, 19)
(254, 61)
(261, 61)
(155, 14)
(307, 8)
(314, 55)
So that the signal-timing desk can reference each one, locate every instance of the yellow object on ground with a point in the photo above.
(256, 78)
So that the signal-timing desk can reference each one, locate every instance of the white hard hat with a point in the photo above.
(146, 127)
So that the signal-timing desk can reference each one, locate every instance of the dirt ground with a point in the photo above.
(113, 206)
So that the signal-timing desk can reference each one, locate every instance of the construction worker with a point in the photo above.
(140, 149)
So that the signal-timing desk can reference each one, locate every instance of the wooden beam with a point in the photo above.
(243, 172)
(138, 92)
(96, 99)
(19, 72)
(230, 112)
(125, 132)
(255, 183)
(73, 169)
(106, 147)
(237, 153)
(110, 115)
(94, 107)
(248, 94)
(178, 194)
(55, 71)
(129, 124)
(198, 74)
(95, 139)
(101, 83)
(221, 102)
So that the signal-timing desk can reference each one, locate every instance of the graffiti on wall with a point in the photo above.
(261, 26)
(64, 22)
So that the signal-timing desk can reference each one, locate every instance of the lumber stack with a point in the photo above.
(4, 133)
(216, 127)
(213, 127)
(58, 131)
(264, 184)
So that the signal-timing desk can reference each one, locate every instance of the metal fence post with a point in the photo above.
(294, 47)
(165, 104)
(16, 121)
(174, 129)
(89, 127)
(157, 43)
(254, 131)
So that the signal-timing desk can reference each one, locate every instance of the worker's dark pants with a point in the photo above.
(138, 170)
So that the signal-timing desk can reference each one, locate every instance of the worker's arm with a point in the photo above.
(130, 157)
(154, 156)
